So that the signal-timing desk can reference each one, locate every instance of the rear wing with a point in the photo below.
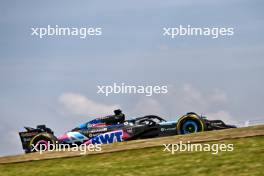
(26, 136)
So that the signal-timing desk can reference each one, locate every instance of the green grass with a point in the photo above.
(246, 159)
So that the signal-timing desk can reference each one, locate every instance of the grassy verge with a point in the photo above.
(246, 159)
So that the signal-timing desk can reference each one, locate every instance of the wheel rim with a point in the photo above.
(190, 126)
(42, 144)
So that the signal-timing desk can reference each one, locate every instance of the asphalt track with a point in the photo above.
(145, 143)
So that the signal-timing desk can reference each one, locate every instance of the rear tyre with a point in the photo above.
(43, 142)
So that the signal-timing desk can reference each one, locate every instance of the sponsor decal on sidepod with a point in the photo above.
(106, 138)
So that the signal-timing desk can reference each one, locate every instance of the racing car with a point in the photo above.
(115, 128)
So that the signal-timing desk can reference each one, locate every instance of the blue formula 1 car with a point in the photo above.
(115, 128)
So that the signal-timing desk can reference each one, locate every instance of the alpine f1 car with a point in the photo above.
(115, 128)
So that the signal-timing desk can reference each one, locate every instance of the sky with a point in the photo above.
(54, 80)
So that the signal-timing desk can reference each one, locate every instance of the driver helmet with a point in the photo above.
(117, 112)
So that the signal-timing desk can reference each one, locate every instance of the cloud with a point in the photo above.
(178, 101)
(218, 96)
(192, 97)
(10, 140)
(148, 106)
(188, 98)
(77, 104)
(183, 99)
(221, 115)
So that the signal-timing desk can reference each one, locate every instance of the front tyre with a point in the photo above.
(190, 123)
